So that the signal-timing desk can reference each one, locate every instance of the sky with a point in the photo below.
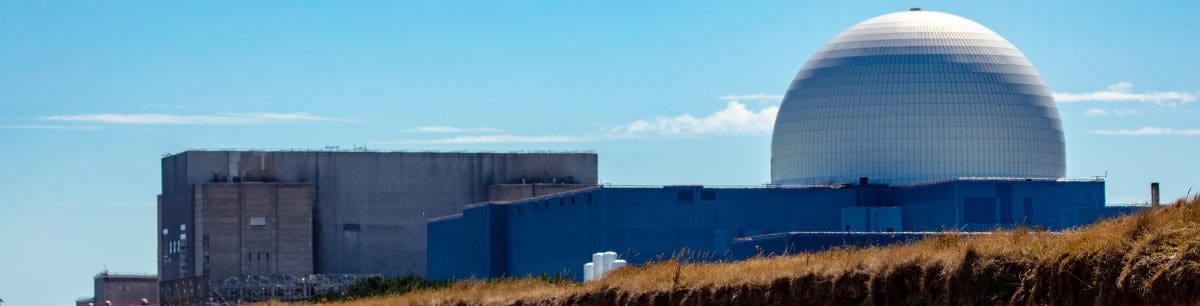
(94, 93)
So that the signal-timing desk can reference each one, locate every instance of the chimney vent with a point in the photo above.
(1154, 195)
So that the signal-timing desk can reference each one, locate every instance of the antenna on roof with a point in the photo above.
(915, 9)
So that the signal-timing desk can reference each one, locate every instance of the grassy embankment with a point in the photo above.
(1149, 258)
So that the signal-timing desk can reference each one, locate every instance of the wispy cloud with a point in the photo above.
(495, 139)
(49, 127)
(1095, 112)
(1100, 112)
(1149, 131)
(451, 129)
(758, 97)
(1122, 92)
(734, 119)
(217, 119)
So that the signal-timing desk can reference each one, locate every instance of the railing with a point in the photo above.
(610, 185)
(127, 274)
(369, 150)
(1011, 179)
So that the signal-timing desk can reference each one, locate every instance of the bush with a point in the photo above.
(378, 285)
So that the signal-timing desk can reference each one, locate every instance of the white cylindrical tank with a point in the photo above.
(598, 265)
(617, 264)
(589, 272)
(609, 257)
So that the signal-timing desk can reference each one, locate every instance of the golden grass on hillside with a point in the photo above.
(1152, 257)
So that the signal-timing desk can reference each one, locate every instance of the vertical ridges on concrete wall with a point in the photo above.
(255, 229)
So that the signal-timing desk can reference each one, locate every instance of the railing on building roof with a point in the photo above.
(336, 149)
(126, 274)
(1011, 179)
(760, 186)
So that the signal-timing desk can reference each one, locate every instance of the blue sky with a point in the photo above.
(93, 93)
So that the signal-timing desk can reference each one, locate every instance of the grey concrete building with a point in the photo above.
(122, 289)
(231, 213)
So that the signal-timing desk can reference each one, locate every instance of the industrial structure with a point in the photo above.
(905, 125)
(111, 289)
(551, 234)
(249, 225)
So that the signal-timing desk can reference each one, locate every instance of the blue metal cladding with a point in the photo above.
(557, 234)
(916, 96)
(445, 238)
(951, 205)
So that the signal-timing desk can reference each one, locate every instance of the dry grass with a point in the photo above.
(1149, 258)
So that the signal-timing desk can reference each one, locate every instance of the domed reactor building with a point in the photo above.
(902, 126)
(916, 96)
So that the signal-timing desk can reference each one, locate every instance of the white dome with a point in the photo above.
(916, 96)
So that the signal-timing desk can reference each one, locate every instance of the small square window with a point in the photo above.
(708, 195)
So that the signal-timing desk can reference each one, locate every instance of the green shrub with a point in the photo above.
(378, 285)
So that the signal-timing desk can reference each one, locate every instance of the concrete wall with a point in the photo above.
(513, 192)
(254, 228)
(371, 207)
(125, 289)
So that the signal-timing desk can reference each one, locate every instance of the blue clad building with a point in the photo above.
(556, 234)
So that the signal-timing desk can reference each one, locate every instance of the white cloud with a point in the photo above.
(735, 119)
(218, 119)
(494, 139)
(1100, 112)
(1120, 92)
(1095, 112)
(761, 97)
(49, 127)
(451, 129)
(1149, 131)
